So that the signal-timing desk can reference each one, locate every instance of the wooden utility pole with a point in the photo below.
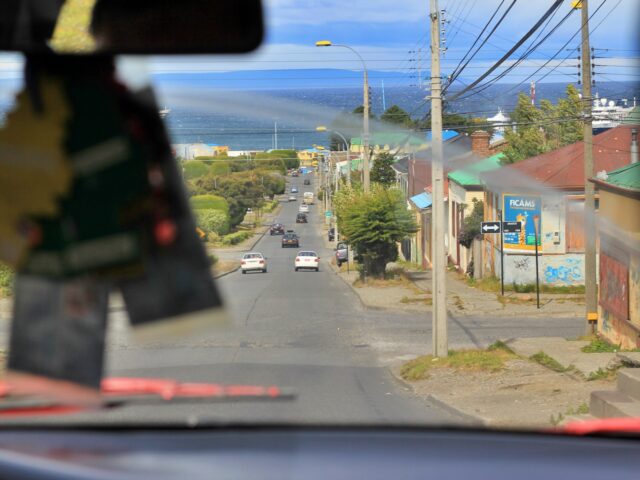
(365, 137)
(590, 282)
(438, 287)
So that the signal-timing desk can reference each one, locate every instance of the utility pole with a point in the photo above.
(365, 136)
(590, 284)
(438, 290)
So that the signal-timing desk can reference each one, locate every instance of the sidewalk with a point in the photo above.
(527, 392)
(412, 292)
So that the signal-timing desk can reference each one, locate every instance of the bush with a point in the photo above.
(211, 220)
(237, 237)
(195, 169)
(209, 202)
(6, 280)
(219, 168)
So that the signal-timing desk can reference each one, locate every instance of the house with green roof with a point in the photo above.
(619, 254)
(465, 186)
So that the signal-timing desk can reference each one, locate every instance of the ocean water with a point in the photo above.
(245, 128)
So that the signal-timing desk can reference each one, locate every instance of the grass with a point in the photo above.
(406, 265)
(546, 361)
(581, 409)
(422, 300)
(493, 359)
(604, 374)
(600, 345)
(492, 284)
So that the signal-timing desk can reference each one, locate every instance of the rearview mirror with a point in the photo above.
(131, 26)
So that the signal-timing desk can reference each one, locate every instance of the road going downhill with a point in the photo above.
(305, 330)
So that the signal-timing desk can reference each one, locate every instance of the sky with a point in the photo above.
(392, 36)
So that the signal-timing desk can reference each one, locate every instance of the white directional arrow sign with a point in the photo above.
(490, 227)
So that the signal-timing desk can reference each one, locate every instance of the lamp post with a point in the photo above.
(365, 118)
(322, 128)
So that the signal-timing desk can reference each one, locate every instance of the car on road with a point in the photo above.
(276, 229)
(342, 253)
(307, 260)
(290, 240)
(294, 189)
(304, 208)
(294, 173)
(302, 218)
(292, 198)
(307, 181)
(252, 262)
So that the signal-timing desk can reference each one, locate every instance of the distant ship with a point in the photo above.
(164, 112)
(609, 113)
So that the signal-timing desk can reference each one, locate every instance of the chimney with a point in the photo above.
(634, 146)
(480, 143)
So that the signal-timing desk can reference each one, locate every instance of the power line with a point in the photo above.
(456, 72)
(531, 31)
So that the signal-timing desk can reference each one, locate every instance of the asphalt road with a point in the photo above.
(307, 331)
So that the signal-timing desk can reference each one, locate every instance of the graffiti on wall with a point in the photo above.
(566, 271)
(614, 286)
(521, 263)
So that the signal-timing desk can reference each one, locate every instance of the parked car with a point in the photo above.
(290, 240)
(294, 173)
(304, 208)
(307, 260)
(342, 253)
(253, 261)
(301, 218)
(292, 198)
(276, 229)
(307, 181)
(294, 189)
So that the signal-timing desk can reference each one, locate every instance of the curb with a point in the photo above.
(439, 403)
(224, 274)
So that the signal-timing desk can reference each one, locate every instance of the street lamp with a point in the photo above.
(322, 128)
(365, 118)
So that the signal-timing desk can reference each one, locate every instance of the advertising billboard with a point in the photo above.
(523, 209)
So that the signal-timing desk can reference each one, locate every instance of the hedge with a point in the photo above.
(235, 238)
(209, 202)
(195, 169)
(6, 280)
(211, 220)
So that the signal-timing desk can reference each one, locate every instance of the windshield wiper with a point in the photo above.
(120, 391)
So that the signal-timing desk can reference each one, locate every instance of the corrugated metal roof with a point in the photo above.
(390, 138)
(627, 177)
(446, 135)
(564, 168)
(422, 200)
(470, 175)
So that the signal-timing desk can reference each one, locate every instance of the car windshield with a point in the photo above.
(487, 188)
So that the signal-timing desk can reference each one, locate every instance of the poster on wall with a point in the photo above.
(614, 286)
(523, 209)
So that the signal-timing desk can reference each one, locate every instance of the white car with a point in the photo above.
(307, 259)
(292, 198)
(252, 262)
(303, 208)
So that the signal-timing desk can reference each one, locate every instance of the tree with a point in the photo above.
(471, 224)
(396, 116)
(241, 191)
(381, 172)
(373, 223)
(544, 129)
(528, 140)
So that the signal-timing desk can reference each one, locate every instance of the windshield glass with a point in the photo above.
(474, 206)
